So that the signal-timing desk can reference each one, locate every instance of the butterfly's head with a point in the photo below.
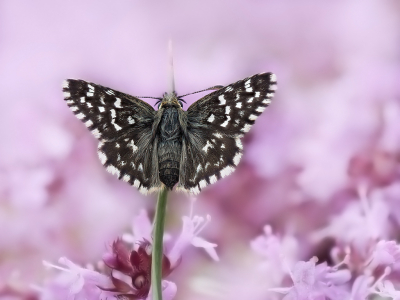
(170, 99)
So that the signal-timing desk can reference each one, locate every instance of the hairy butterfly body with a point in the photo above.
(148, 148)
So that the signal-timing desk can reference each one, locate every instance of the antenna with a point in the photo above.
(171, 81)
(217, 87)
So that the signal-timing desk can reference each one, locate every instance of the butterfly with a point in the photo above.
(150, 148)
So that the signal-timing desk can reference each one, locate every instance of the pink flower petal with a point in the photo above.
(207, 246)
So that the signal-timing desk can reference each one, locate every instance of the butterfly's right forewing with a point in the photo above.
(215, 125)
(124, 126)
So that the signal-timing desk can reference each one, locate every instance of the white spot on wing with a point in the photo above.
(140, 168)
(213, 179)
(113, 113)
(113, 170)
(65, 84)
(239, 105)
(195, 190)
(229, 88)
(222, 146)
(133, 146)
(203, 184)
(96, 133)
(80, 116)
(260, 109)
(217, 134)
(211, 118)
(89, 105)
(117, 127)
(118, 103)
(250, 100)
(110, 92)
(126, 178)
(227, 110)
(131, 120)
(143, 190)
(136, 183)
(102, 109)
(89, 123)
(89, 94)
(266, 101)
(273, 77)
(102, 156)
(246, 128)
(239, 143)
(70, 101)
(222, 100)
(198, 169)
(226, 171)
(67, 94)
(73, 108)
(257, 94)
(270, 95)
(237, 157)
(226, 122)
(252, 117)
(249, 90)
(208, 145)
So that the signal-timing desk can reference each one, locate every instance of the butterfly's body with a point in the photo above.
(170, 146)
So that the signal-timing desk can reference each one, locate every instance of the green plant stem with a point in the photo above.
(157, 253)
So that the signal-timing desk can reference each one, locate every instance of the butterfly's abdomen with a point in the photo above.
(169, 147)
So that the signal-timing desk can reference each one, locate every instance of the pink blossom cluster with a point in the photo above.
(125, 269)
(311, 212)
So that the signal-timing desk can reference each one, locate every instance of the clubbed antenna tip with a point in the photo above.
(171, 81)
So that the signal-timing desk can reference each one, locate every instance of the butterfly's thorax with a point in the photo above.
(169, 146)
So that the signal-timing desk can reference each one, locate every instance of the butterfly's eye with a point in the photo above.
(181, 103)
(159, 104)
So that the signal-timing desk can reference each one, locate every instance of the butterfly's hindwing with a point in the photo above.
(215, 125)
(123, 124)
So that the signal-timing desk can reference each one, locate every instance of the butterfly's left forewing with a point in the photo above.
(215, 124)
(123, 125)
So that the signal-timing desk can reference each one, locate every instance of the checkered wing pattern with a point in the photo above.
(123, 126)
(215, 125)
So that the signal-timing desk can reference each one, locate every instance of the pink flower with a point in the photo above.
(386, 289)
(360, 224)
(316, 282)
(141, 229)
(361, 287)
(76, 282)
(131, 270)
(386, 253)
(128, 277)
(191, 228)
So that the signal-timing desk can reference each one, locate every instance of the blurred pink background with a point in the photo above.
(332, 127)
